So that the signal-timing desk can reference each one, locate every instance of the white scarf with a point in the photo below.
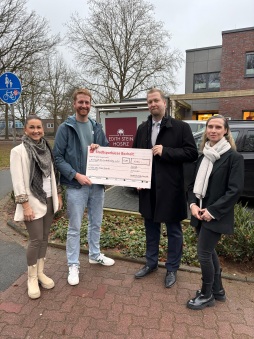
(211, 154)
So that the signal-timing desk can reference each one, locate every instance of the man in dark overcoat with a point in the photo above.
(172, 144)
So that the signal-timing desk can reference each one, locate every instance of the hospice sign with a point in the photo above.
(116, 166)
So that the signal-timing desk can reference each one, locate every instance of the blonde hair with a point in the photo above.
(156, 90)
(228, 135)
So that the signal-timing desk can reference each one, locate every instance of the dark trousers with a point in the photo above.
(207, 255)
(175, 244)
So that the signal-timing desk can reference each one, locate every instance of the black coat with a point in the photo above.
(225, 185)
(166, 200)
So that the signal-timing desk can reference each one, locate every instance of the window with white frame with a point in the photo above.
(249, 64)
(206, 82)
(50, 125)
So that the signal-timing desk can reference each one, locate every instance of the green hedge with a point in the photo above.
(239, 246)
(125, 234)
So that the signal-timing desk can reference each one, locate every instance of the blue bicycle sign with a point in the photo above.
(10, 88)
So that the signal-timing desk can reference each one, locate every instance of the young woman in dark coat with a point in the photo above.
(216, 188)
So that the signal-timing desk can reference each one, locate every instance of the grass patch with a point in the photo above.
(5, 149)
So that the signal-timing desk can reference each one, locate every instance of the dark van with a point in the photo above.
(243, 134)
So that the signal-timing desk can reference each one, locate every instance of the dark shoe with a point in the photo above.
(217, 289)
(219, 295)
(145, 271)
(170, 279)
(202, 300)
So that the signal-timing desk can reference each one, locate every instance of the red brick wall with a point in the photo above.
(234, 46)
(234, 107)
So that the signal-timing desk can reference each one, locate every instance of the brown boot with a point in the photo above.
(45, 281)
(32, 283)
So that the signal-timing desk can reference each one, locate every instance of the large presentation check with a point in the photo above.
(130, 167)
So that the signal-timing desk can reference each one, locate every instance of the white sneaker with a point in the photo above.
(73, 277)
(103, 260)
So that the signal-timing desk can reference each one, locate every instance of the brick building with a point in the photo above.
(220, 79)
(237, 72)
(49, 126)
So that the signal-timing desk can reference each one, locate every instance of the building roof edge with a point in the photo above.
(202, 48)
(238, 30)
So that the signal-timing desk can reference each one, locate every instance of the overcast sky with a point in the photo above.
(192, 23)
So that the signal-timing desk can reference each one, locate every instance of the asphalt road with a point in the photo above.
(13, 263)
(6, 184)
(13, 256)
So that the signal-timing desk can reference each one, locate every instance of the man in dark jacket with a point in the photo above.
(70, 151)
(172, 144)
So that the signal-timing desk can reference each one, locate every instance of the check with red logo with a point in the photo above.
(131, 167)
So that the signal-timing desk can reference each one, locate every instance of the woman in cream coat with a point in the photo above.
(37, 198)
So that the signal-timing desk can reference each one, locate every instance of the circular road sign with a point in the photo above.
(10, 88)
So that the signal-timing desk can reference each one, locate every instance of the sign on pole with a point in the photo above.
(10, 91)
(10, 88)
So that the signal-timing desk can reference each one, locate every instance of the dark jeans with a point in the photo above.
(38, 231)
(175, 244)
(207, 255)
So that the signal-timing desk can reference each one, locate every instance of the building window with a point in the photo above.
(18, 124)
(249, 142)
(249, 65)
(50, 125)
(207, 82)
(248, 115)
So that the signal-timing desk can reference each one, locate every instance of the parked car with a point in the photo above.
(196, 125)
(243, 134)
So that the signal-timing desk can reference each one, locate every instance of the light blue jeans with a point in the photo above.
(78, 199)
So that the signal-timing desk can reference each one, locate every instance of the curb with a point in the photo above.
(183, 268)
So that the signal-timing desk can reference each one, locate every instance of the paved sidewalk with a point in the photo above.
(109, 303)
(121, 198)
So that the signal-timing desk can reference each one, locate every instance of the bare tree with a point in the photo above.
(47, 89)
(23, 35)
(122, 50)
(59, 82)
(33, 89)
(23, 38)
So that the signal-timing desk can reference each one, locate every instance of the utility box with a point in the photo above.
(121, 120)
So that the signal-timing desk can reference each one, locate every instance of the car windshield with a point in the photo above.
(196, 126)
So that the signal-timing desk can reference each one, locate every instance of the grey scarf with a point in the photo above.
(40, 158)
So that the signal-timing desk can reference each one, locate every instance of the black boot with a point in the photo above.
(204, 299)
(218, 290)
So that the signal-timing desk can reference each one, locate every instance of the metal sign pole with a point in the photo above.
(14, 125)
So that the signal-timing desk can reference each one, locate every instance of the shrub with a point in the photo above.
(126, 234)
(239, 246)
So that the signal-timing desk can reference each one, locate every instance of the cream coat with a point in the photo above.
(20, 174)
